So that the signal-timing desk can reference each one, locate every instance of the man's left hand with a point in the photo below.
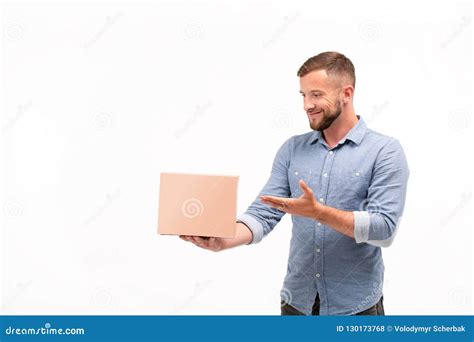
(305, 205)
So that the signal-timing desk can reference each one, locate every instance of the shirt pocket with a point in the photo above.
(295, 174)
(349, 189)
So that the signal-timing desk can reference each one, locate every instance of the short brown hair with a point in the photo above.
(335, 64)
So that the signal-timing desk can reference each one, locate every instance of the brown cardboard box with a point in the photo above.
(199, 205)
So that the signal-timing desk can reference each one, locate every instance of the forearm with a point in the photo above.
(339, 220)
(243, 236)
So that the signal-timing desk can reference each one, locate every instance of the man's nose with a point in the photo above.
(308, 105)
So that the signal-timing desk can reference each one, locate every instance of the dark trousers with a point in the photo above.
(376, 310)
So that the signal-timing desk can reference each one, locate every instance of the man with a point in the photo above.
(344, 186)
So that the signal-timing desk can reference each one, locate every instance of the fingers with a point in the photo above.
(201, 241)
(184, 237)
(306, 189)
(271, 200)
(189, 238)
(276, 202)
(198, 240)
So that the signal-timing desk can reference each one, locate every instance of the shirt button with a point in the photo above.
(357, 173)
(318, 250)
(331, 152)
(325, 174)
(296, 173)
(319, 223)
(318, 275)
(321, 200)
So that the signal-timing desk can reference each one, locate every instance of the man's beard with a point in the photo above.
(327, 119)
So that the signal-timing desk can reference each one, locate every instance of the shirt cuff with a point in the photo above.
(255, 227)
(361, 226)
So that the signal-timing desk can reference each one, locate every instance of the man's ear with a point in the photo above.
(348, 93)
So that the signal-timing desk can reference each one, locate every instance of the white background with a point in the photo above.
(99, 99)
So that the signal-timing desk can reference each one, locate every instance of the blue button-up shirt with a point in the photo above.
(367, 174)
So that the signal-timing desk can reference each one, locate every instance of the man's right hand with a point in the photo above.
(243, 236)
(214, 244)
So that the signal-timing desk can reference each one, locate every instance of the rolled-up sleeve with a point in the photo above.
(261, 218)
(379, 220)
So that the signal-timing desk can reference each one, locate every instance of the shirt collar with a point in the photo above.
(355, 134)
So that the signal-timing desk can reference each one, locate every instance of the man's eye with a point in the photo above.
(316, 95)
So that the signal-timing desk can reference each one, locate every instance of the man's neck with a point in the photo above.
(339, 128)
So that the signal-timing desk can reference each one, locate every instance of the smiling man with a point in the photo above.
(345, 187)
